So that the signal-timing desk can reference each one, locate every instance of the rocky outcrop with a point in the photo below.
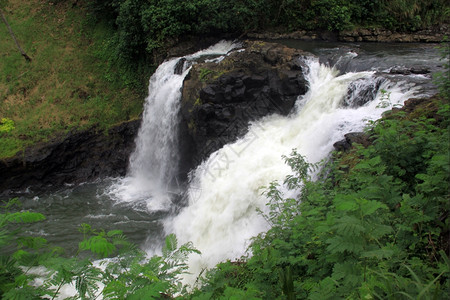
(383, 35)
(362, 91)
(350, 139)
(302, 35)
(434, 35)
(74, 158)
(219, 99)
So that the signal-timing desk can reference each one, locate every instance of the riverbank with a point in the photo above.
(384, 198)
(380, 35)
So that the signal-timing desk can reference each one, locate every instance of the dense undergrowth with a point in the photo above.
(373, 225)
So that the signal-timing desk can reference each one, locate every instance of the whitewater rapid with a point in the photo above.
(224, 193)
(153, 165)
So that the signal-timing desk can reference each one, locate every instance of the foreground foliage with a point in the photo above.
(375, 227)
(31, 269)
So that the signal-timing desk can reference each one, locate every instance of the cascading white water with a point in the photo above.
(225, 190)
(153, 165)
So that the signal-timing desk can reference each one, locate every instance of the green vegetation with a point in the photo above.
(204, 74)
(69, 84)
(130, 275)
(375, 226)
(6, 125)
(143, 28)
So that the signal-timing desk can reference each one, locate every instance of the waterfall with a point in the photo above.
(225, 190)
(154, 163)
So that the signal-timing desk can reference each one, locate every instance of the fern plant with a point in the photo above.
(18, 254)
(136, 277)
(127, 274)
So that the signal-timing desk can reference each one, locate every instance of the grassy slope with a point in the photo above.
(67, 85)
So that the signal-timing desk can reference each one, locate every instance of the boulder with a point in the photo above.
(352, 138)
(220, 99)
(362, 91)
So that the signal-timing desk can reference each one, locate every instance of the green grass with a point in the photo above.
(70, 82)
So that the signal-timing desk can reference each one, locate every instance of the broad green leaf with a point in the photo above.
(170, 245)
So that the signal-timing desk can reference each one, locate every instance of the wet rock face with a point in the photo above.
(362, 91)
(74, 158)
(220, 99)
(352, 138)
(408, 71)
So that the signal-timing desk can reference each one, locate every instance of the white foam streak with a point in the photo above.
(225, 191)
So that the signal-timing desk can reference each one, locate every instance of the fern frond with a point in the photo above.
(98, 245)
(349, 226)
(25, 217)
(170, 245)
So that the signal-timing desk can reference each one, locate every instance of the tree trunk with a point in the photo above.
(14, 37)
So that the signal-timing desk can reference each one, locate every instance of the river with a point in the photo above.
(220, 215)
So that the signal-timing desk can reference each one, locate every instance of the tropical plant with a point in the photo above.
(31, 269)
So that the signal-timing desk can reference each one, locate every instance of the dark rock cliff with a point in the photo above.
(220, 99)
(74, 158)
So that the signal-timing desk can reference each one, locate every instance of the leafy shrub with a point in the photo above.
(377, 228)
(6, 125)
(129, 275)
